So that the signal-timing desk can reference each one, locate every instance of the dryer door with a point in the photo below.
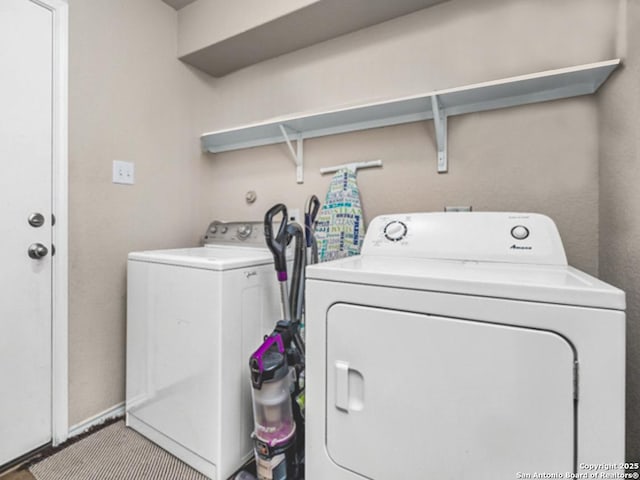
(417, 396)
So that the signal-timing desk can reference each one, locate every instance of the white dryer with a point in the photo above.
(462, 346)
(194, 317)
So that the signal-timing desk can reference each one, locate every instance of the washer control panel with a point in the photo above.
(473, 236)
(244, 230)
(235, 233)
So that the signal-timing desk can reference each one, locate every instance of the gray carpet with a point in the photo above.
(114, 453)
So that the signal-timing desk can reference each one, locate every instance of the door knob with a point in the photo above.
(36, 220)
(37, 251)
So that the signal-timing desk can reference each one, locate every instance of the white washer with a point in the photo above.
(194, 316)
(461, 345)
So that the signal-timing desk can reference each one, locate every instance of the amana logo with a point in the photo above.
(520, 247)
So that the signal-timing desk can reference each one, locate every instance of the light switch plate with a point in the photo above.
(123, 172)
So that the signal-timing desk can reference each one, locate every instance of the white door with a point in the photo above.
(418, 396)
(25, 194)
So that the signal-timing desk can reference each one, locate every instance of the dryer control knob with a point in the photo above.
(395, 231)
(519, 232)
(224, 229)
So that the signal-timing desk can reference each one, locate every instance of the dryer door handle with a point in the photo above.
(342, 385)
(349, 387)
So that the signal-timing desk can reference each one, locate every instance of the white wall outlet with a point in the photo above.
(123, 172)
(294, 216)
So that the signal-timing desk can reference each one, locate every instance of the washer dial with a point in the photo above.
(395, 231)
(244, 231)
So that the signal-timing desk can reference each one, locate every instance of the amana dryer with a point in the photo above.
(194, 316)
(462, 346)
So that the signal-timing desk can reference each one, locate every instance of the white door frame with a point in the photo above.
(60, 284)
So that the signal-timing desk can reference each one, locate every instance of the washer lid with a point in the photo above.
(539, 283)
(211, 257)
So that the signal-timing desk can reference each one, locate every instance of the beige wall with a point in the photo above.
(619, 109)
(130, 99)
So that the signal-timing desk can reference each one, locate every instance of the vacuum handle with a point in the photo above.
(277, 243)
(310, 217)
(256, 362)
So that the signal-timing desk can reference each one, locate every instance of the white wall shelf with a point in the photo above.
(260, 37)
(437, 105)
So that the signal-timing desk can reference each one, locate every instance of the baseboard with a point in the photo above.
(108, 414)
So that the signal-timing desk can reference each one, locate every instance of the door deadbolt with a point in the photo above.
(36, 220)
(37, 251)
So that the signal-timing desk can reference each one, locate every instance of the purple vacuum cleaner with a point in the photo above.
(278, 364)
(275, 428)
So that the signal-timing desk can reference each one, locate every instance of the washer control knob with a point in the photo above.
(224, 229)
(395, 231)
(213, 229)
(244, 231)
(519, 232)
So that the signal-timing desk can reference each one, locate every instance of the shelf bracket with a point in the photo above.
(440, 123)
(296, 153)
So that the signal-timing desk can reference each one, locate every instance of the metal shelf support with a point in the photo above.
(296, 153)
(440, 124)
